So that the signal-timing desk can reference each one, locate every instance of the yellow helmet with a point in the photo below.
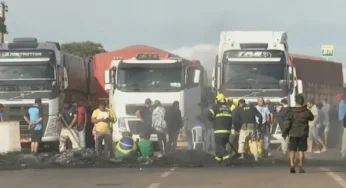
(220, 97)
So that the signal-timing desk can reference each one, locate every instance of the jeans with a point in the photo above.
(161, 138)
(81, 135)
(172, 140)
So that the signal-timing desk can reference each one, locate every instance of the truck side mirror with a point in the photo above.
(300, 86)
(213, 78)
(197, 76)
(65, 79)
(108, 80)
(283, 85)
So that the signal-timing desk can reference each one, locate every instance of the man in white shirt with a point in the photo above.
(314, 126)
(264, 110)
(325, 109)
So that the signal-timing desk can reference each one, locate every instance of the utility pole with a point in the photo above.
(4, 10)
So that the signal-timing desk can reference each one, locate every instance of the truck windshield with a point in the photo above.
(22, 72)
(150, 79)
(253, 76)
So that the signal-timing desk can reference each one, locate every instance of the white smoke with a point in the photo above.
(205, 53)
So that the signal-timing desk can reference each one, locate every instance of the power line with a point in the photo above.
(4, 10)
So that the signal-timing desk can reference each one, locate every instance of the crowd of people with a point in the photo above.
(233, 127)
(305, 127)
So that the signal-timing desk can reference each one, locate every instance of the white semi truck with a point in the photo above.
(250, 64)
(131, 81)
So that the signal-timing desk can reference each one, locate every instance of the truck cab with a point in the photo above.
(250, 64)
(129, 82)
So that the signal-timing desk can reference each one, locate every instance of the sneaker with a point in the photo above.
(160, 155)
(324, 150)
(269, 154)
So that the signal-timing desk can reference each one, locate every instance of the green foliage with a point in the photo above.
(83, 49)
(3, 27)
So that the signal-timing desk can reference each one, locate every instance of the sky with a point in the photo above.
(190, 28)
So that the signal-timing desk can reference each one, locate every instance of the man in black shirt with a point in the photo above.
(249, 128)
(145, 115)
(68, 118)
(281, 119)
(296, 126)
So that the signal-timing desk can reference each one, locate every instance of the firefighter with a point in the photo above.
(231, 104)
(221, 116)
(247, 116)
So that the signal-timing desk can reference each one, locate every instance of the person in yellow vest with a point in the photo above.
(127, 147)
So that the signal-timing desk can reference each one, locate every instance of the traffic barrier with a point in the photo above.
(10, 137)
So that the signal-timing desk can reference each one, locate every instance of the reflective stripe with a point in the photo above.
(226, 157)
(223, 115)
(212, 111)
(221, 131)
(218, 158)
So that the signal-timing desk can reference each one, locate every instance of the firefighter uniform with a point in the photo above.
(249, 128)
(221, 116)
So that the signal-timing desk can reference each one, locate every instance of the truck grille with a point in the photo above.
(134, 126)
(17, 112)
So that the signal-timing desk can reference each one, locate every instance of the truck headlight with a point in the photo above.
(121, 124)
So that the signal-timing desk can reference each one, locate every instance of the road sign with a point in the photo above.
(327, 51)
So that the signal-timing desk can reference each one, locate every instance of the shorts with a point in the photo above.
(326, 126)
(298, 143)
(36, 136)
(314, 132)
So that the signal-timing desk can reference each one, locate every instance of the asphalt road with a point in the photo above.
(326, 172)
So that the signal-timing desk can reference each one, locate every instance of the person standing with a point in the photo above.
(249, 128)
(68, 115)
(145, 115)
(160, 126)
(102, 119)
(221, 115)
(296, 128)
(81, 122)
(1, 114)
(34, 118)
(266, 114)
(326, 112)
(282, 115)
(341, 128)
(174, 124)
(314, 125)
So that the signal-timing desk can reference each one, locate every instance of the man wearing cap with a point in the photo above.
(34, 118)
(145, 115)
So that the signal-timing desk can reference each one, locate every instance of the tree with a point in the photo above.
(3, 27)
(83, 49)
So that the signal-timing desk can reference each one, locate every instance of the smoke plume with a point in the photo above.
(205, 53)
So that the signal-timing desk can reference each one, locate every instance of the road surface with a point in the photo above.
(323, 171)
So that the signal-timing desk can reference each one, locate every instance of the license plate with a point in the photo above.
(24, 140)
